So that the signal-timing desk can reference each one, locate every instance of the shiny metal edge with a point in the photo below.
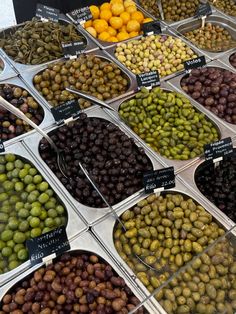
(90, 214)
(7, 70)
(175, 83)
(75, 223)
(86, 242)
(19, 68)
(187, 179)
(104, 232)
(48, 119)
(178, 164)
(28, 76)
(216, 18)
(166, 31)
(105, 44)
(225, 60)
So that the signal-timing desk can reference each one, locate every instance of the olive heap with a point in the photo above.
(177, 10)
(218, 184)
(164, 232)
(211, 37)
(151, 7)
(38, 42)
(207, 286)
(232, 59)
(10, 125)
(163, 53)
(168, 123)
(215, 89)
(88, 73)
(227, 6)
(75, 283)
(112, 159)
(28, 208)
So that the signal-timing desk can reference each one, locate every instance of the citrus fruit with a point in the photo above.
(111, 31)
(113, 39)
(133, 34)
(138, 16)
(116, 1)
(92, 31)
(101, 26)
(127, 3)
(105, 15)
(105, 6)
(117, 9)
(88, 23)
(94, 11)
(125, 17)
(147, 20)
(104, 36)
(133, 26)
(116, 22)
(131, 8)
(122, 36)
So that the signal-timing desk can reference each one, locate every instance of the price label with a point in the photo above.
(150, 28)
(204, 9)
(159, 179)
(148, 79)
(47, 13)
(195, 63)
(80, 15)
(2, 148)
(66, 111)
(50, 243)
(218, 150)
(73, 49)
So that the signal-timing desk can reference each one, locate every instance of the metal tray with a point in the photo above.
(178, 164)
(7, 70)
(233, 18)
(225, 60)
(90, 214)
(83, 243)
(104, 232)
(175, 82)
(75, 223)
(216, 18)
(48, 119)
(28, 76)
(101, 43)
(165, 31)
(187, 178)
(20, 68)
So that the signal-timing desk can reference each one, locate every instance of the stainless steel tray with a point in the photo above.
(178, 164)
(28, 76)
(20, 68)
(225, 60)
(75, 223)
(47, 120)
(7, 70)
(165, 31)
(216, 18)
(83, 243)
(90, 214)
(104, 232)
(175, 82)
(106, 44)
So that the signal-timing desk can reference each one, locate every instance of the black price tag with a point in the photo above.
(204, 9)
(73, 49)
(195, 63)
(148, 79)
(80, 15)
(150, 28)
(159, 179)
(66, 111)
(52, 242)
(2, 148)
(217, 150)
(47, 13)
